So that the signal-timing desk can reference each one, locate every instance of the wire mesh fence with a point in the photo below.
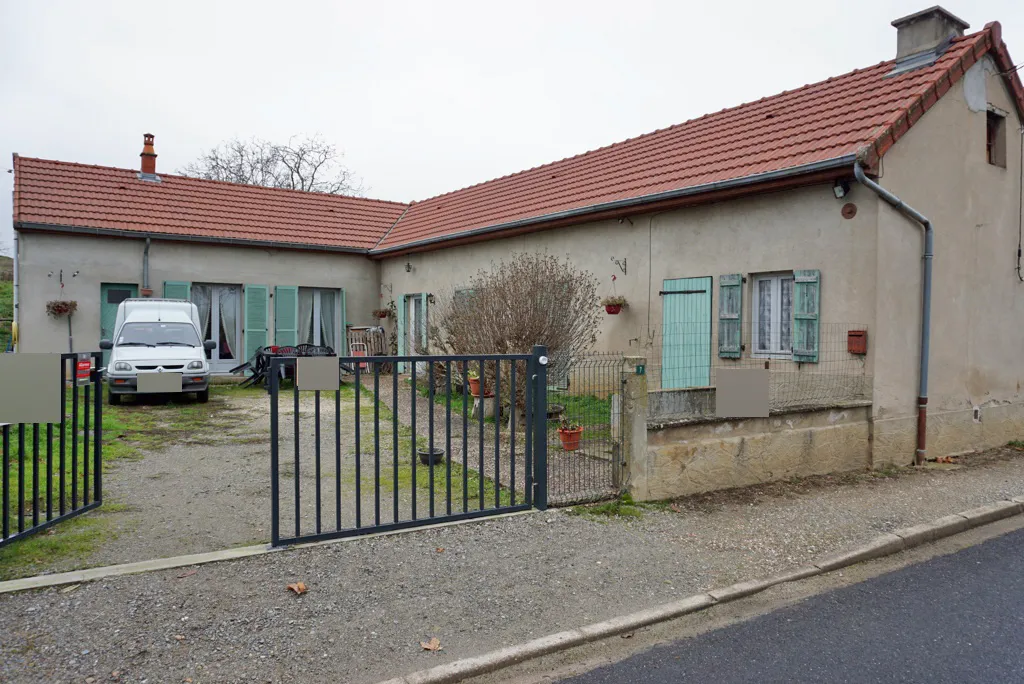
(686, 356)
(584, 427)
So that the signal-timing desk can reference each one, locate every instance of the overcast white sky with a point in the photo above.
(423, 97)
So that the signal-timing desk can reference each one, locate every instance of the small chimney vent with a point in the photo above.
(148, 155)
(923, 36)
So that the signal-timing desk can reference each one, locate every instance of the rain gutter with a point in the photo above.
(926, 303)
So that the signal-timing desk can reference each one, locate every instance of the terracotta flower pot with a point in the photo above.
(474, 386)
(381, 314)
(613, 308)
(570, 438)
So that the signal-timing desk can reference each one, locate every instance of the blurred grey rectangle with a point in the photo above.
(741, 393)
(317, 373)
(159, 383)
(30, 388)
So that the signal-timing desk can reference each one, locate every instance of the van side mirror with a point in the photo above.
(209, 345)
(106, 344)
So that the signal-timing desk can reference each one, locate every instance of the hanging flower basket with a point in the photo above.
(61, 307)
(381, 313)
(613, 305)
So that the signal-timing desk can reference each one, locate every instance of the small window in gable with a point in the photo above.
(995, 140)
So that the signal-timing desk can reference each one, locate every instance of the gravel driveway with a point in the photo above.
(476, 587)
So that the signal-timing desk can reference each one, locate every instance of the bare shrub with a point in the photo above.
(529, 299)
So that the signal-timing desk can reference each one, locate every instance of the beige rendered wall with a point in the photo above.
(977, 343)
(788, 230)
(119, 260)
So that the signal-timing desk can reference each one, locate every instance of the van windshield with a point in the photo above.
(157, 334)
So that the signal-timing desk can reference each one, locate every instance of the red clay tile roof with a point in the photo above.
(860, 113)
(54, 193)
(816, 123)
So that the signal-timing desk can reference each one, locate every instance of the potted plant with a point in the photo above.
(474, 383)
(381, 313)
(613, 304)
(569, 433)
(61, 307)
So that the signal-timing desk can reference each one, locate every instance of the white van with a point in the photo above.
(157, 336)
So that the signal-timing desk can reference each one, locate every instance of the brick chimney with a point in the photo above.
(148, 155)
(927, 31)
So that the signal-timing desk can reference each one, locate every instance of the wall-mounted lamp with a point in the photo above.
(841, 189)
(408, 267)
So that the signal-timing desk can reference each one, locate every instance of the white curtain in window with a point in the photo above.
(305, 334)
(228, 321)
(786, 315)
(764, 314)
(202, 297)
(327, 300)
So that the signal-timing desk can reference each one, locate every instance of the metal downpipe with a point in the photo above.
(145, 268)
(15, 332)
(926, 303)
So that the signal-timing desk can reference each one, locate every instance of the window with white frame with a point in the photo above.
(318, 316)
(772, 329)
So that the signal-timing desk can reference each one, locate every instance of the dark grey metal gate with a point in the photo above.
(48, 472)
(458, 437)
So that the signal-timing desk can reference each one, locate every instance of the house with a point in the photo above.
(785, 232)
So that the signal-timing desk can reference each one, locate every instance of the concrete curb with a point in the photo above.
(883, 545)
(103, 572)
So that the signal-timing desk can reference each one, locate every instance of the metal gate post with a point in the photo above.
(97, 427)
(539, 379)
(273, 380)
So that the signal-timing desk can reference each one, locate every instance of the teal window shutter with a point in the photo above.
(730, 315)
(286, 315)
(401, 331)
(256, 309)
(806, 310)
(177, 289)
(342, 349)
(424, 323)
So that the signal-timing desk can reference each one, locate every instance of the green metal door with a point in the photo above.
(686, 333)
(112, 294)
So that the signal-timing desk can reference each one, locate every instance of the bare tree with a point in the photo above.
(309, 164)
(529, 299)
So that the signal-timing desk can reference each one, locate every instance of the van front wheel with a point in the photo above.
(203, 397)
(114, 399)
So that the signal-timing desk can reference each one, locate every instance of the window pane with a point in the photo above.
(117, 296)
(764, 314)
(786, 323)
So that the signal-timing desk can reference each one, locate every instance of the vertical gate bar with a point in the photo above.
(497, 433)
(448, 437)
(540, 415)
(530, 426)
(376, 443)
(394, 441)
(21, 477)
(86, 425)
(35, 474)
(465, 435)
(295, 430)
(358, 386)
(49, 471)
(97, 435)
(514, 409)
(430, 436)
(316, 452)
(62, 480)
(413, 404)
(74, 446)
(483, 402)
(275, 530)
(337, 456)
(5, 481)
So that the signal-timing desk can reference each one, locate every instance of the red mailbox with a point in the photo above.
(857, 341)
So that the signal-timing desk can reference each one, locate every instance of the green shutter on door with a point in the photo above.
(424, 323)
(256, 309)
(730, 315)
(177, 289)
(286, 315)
(401, 331)
(806, 309)
(342, 349)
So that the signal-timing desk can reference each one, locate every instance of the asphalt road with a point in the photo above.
(955, 618)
